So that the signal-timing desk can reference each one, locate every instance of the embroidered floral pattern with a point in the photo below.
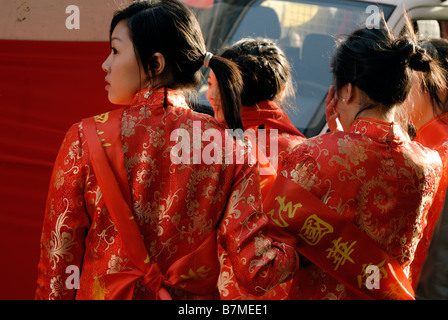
(175, 206)
(377, 178)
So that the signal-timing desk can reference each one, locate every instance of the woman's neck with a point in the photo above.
(377, 112)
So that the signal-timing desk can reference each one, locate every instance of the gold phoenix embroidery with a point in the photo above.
(289, 208)
(340, 252)
(314, 229)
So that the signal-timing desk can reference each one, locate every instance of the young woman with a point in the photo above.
(428, 108)
(132, 205)
(354, 202)
(266, 77)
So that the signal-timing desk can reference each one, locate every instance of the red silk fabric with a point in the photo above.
(374, 177)
(434, 135)
(45, 87)
(333, 242)
(108, 162)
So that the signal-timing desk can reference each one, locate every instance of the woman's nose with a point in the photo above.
(106, 65)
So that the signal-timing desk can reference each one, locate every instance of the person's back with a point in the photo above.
(266, 78)
(267, 86)
(375, 177)
(360, 194)
(177, 202)
(430, 117)
(140, 195)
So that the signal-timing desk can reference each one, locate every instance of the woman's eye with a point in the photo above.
(114, 51)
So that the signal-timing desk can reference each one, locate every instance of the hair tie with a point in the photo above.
(208, 57)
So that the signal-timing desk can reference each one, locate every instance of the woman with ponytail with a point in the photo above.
(361, 193)
(266, 85)
(428, 112)
(135, 204)
(266, 81)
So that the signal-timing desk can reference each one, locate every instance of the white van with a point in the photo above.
(307, 31)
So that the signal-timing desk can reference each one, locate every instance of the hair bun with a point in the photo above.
(405, 48)
(413, 55)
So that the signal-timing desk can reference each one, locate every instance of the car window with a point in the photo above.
(306, 31)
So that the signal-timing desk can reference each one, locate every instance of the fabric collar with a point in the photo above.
(379, 130)
(156, 97)
(433, 133)
(267, 113)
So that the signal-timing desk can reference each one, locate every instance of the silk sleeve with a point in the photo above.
(65, 222)
(259, 263)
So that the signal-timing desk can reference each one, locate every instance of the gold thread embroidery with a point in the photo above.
(102, 118)
(200, 273)
(99, 288)
(105, 144)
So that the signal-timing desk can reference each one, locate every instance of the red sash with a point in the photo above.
(333, 243)
(196, 272)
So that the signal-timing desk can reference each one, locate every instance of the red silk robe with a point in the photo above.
(268, 116)
(374, 177)
(176, 207)
(434, 135)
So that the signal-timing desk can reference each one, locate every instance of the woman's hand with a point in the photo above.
(331, 114)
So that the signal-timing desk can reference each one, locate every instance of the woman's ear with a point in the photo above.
(159, 63)
(347, 93)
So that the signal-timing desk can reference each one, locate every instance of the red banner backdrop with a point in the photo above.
(44, 88)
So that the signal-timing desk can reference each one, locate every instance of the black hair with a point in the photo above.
(264, 67)
(170, 28)
(381, 65)
(438, 50)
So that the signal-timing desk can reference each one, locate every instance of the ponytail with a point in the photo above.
(230, 85)
(438, 50)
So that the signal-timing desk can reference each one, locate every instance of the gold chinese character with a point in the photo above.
(340, 252)
(394, 292)
(102, 118)
(314, 229)
(289, 208)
